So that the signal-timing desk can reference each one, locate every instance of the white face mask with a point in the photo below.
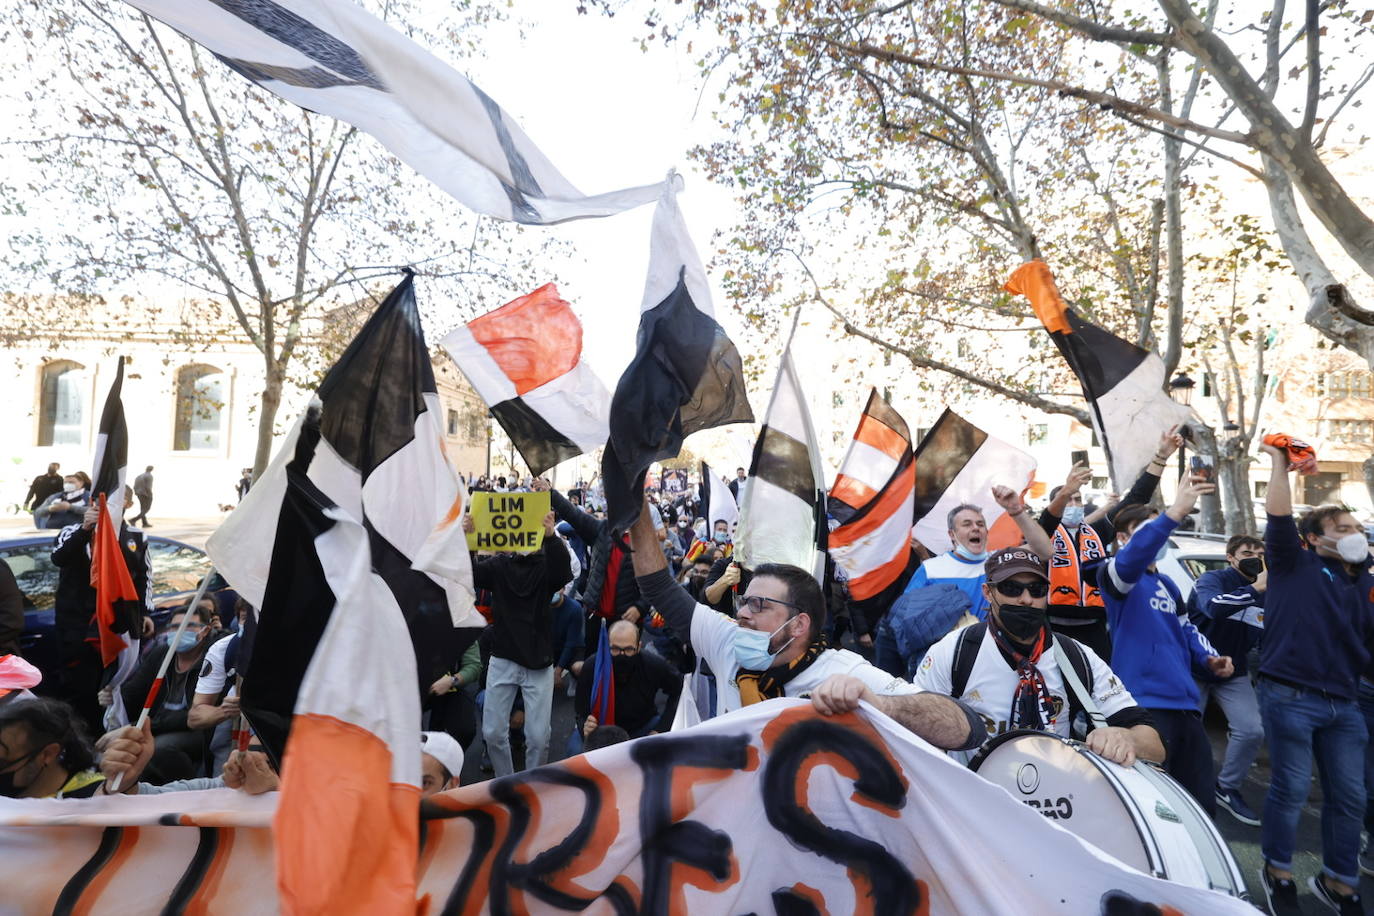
(1353, 547)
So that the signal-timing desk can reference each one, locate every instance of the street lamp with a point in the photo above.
(1181, 389)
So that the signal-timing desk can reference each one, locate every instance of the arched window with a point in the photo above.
(61, 403)
(200, 405)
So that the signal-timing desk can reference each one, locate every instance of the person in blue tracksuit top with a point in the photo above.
(1227, 606)
(1155, 649)
(1318, 627)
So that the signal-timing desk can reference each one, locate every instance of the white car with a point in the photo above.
(1189, 556)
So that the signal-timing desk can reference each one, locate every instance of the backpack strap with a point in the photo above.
(965, 654)
(1073, 666)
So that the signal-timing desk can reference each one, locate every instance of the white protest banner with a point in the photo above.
(770, 809)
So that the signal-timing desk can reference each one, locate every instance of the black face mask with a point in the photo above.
(1251, 567)
(7, 787)
(1020, 623)
(624, 665)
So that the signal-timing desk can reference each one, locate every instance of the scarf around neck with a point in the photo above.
(756, 686)
(1032, 706)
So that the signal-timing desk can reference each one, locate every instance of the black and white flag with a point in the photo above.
(335, 58)
(686, 374)
(781, 506)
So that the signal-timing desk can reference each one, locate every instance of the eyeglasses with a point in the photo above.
(1010, 589)
(624, 650)
(755, 603)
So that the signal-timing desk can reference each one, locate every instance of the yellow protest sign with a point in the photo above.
(508, 521)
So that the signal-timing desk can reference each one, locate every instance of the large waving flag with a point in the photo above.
(874, 500)
(1123, 383)
(781, 504)
(720, 504)
(335, 58)
(957, 463)
(118, 614)
(382, 460)
(332, 662)
(525, 360)
(686, 375)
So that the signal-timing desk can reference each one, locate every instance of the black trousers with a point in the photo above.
(1190, 754)
(144, 504)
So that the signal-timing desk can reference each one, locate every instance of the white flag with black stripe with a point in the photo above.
(779, 506)
(335, 58)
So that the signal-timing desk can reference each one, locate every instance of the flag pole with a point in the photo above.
(166, 662)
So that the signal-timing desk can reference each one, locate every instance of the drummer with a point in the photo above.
(1006, 669)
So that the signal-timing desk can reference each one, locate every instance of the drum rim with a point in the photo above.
(1153, 853)
(1218, 841)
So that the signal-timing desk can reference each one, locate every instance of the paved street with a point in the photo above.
(191, 531)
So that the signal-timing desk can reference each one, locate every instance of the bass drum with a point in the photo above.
(1139, 814)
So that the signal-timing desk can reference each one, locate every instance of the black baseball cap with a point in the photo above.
(1012, 560)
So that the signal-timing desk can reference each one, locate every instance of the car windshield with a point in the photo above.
(34, 573)
(176, 567)
(1196, 566)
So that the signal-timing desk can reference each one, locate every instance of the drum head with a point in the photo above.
(1206, 845)
(1073, 787)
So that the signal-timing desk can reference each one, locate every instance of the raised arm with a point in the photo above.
(656, 586)
(1035, 536)
(586, 525)
(1078, 476)
(1144, 486)
(1278, 498)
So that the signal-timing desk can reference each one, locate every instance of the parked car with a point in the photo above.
(1189, 556)
(177, 570)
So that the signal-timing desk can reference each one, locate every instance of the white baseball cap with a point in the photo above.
(443, 748)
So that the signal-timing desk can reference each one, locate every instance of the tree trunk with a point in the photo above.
(1276, 137)
(1173, 235)
(1233, 473)
(267, 419)
(1324, 293)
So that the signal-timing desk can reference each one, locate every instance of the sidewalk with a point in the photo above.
(191, 531)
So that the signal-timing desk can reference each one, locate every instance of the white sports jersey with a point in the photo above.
(713, 638)
(212, 671)
(992, 683)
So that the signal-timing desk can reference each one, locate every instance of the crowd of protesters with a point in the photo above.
(1279, 638)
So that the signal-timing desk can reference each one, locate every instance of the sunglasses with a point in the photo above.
(1010, 589)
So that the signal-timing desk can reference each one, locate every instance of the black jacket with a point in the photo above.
(635, 692)
(74, 601)
(135, 689)
(43, 486)
(596, 534)
(522, 587)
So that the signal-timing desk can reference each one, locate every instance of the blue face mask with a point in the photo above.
(751, 648)
(1163, 552)
(187, 641)
(967, 554)
(1073, 516)
(721, 537)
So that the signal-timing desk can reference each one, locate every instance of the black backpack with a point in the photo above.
(966, 653)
